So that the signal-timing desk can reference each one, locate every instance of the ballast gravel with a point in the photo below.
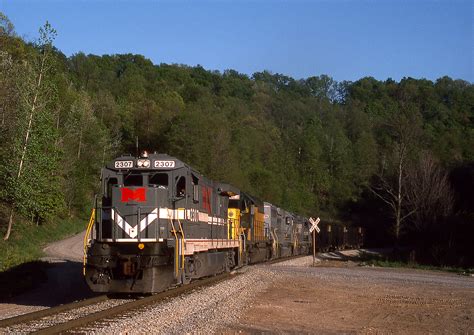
(203, 311)
(48, 321)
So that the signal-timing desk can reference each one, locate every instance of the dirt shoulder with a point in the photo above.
(341, 297)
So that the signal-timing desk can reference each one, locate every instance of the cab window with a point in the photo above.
(181, 187)
(159, 180)
(133, 180)
(195, 188)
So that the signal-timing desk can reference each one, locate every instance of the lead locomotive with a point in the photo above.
(160, 223)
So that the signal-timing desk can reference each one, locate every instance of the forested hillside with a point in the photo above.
(394, 157)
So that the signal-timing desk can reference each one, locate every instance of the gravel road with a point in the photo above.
(342, 297)
(70, 249)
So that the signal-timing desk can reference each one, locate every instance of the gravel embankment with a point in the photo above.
(301, 262)
(202, 311)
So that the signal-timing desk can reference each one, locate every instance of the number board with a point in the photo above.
(123, 164)
(164, 164)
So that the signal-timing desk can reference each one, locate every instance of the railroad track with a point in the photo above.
(52, 320)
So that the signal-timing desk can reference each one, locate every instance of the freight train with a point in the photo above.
(159, 223)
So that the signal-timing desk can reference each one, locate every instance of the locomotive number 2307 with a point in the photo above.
(123, 164)
(164, 164)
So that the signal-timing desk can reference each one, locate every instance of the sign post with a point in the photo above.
(314, 229)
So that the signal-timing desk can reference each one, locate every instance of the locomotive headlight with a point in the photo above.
(143, 163)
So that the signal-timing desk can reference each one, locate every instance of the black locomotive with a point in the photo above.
(160, 223)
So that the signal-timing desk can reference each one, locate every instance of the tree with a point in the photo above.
(322, 87)
(390, 183)
(6, 26)
(429, 193)
(7, 31)
(32, 149)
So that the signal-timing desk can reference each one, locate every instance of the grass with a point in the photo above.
(392, 262)
(27, 240)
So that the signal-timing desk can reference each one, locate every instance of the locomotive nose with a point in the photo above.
(135, 214)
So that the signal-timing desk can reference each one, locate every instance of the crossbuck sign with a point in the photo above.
(314, 225)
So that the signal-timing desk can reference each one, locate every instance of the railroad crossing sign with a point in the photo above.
(314, 225)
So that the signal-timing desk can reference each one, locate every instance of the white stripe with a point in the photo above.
(203, 217)
(132, 231)
(148, 219)
(189, 214)
(165, 213)
(220, 241)
(132, 240)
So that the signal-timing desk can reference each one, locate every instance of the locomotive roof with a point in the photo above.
(157, 162)
(231, 190)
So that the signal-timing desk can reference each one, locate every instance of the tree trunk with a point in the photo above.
(80, 145)
(30, 121)
(10, 224)
(399, 201)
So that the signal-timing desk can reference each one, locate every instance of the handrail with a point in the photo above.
(183, 239)
(295, 239)
(87, 239)
(176, 251)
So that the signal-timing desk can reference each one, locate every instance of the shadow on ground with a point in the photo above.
(44, 284)
(357, 256)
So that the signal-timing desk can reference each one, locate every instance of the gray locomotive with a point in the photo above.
(159, 223)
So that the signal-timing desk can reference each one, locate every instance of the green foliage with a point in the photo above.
(30, 157)
(310, 145)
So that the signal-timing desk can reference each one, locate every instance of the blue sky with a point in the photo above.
(345, 39)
